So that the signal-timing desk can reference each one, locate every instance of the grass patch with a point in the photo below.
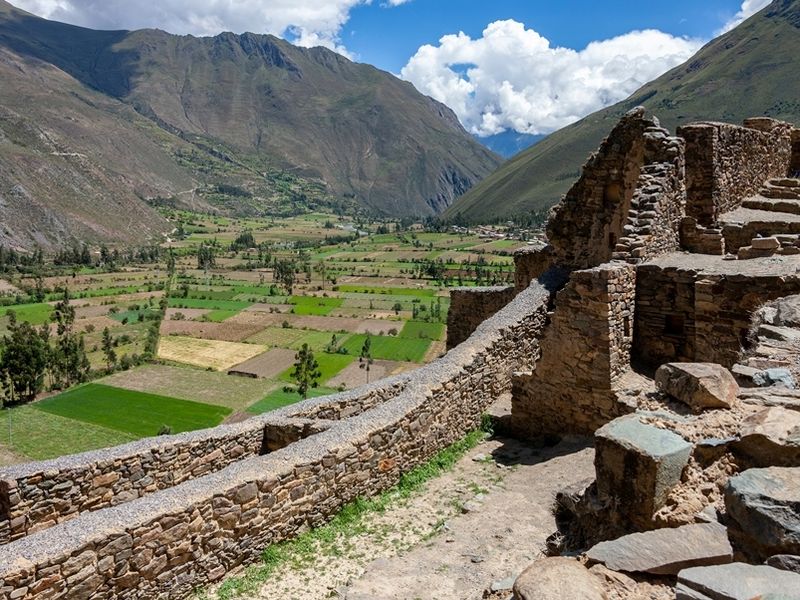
(35, 314)
(294, 338)
(329, 366)
(390, 348)
(313, 305)
(391, 291)
(422, 330)
(137, 413)
(40, 435)
(279, 399)
(218, 316)
(209, 304)
(347, 524)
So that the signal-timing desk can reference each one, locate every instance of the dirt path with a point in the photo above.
(479, 524)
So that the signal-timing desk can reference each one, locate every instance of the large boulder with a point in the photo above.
(737, 581)
(771, 437)
(557, 578)
(764, 507)
(636, 467)
(788, 311)
(665, 551)
(698, 385)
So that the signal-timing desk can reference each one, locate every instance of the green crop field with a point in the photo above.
(39, 435)
(218, 316)
(329, 366)
(390, 291)
(278, 399)
(211, 304)
(422, 330)
(389, 348)
(132, 412)
(312, 305)
(287, 337)
(35, 314)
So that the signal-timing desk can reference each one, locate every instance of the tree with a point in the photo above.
(108, 349)
(322, 270)
(68, 361)
(206, 257)
(306, 371)
(284, 273)
(397, 308)
(23, 361)
(365, 360)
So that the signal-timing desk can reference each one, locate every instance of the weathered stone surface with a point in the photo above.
(737, 581)
(557, 578)
(785, 562)
(698, 385)
(788, 311)
(666, 551)
(637, 465)
(771, 437)
(764, 505)
(765, 243)
(775, 376)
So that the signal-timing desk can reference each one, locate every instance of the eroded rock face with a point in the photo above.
(698, 385)
(764, 508)
(637, 465)
(557, 578)
(737, 581)
(771, 437)
(665, 551)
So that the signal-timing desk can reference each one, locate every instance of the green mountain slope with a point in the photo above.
(750, 71)
(115, 117)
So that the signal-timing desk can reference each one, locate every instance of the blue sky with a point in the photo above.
(388, 37)
(501, 65)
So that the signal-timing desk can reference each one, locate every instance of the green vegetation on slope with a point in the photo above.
(750, 71)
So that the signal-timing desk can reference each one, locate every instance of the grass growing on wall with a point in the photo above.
(348, 523)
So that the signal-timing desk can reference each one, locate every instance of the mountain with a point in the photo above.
(93, 123)
(749, 71)
(510, 143)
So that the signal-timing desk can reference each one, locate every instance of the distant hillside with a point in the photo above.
(93, 122)
(750, 71)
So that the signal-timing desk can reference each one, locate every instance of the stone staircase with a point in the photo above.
(777, 195)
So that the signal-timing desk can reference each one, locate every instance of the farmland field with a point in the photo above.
(208, 319)
(136, 413)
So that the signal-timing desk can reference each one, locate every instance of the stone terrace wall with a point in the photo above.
(588, 223)
(38, 495)
(168, 543)
(794, 170)
(700, 308)
(530, 263)
(658, 203)
(585, 351)
(469, 307)
(727, 163)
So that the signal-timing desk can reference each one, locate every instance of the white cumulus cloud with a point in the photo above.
(513, 78)
(306, 22)
(748, 9)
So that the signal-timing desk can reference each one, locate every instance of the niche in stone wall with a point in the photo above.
(674, 325)
(612, 194)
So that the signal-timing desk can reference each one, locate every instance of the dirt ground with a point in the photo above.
(206, 353)
(353, 375)
(267, 365)
(226, 332)
(477, 526)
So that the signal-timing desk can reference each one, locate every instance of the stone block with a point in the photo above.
(637, 465)
(764, 505)
(737, 581)
(771, 437)
(698, 385)
(765, 243)
(556, 578)
(665, 551)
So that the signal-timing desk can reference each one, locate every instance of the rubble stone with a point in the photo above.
(771, 437)
(698, 385)
(557, 578)
(737, 581)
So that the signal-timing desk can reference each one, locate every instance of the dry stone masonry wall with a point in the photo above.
(469, 307)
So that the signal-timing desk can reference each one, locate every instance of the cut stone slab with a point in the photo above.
(764, 505)
(698, 385)
(637, 465)
(765, 243)
(772, 396)
(788, 311)
(665, 551)
(782, 334)
(771, 437)
(556, 578)
(778, 376)
(737, 581)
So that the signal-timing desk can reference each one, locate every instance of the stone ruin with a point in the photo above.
(661, 321)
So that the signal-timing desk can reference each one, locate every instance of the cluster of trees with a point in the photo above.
(11, 259)
(76, 255)
(29, 358)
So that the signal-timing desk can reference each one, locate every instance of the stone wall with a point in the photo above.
(589, 221)
(727, 163)
(691, 307)
(469, 307)
(794, 171)
(658, 203)
(35, 496)
(701, 240)
(167, 543)
(530, 263)
(585, 351)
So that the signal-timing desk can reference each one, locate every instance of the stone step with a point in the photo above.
(785, 182)
(775, 191)
(779, 205)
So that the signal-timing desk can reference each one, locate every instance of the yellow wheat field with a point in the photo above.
(212, 354)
